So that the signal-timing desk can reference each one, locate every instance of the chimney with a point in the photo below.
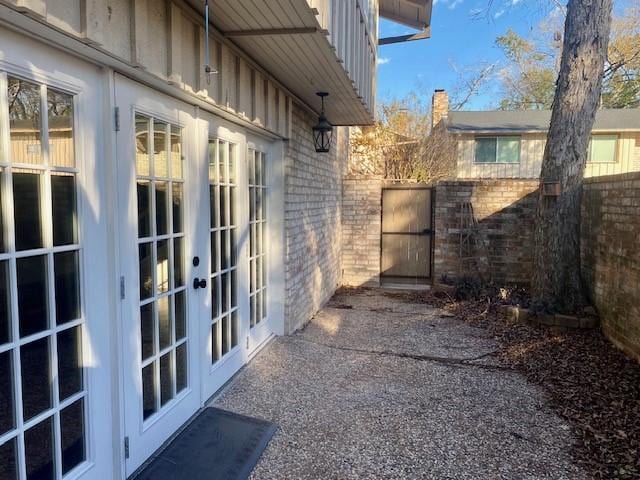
(439, 107)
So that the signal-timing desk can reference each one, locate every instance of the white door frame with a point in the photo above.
(144, 437)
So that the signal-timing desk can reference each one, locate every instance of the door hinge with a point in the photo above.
(126, 447)
(247, 343)
(116, 119)
(122, 288)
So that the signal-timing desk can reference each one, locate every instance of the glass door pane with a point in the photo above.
(223, 248)
(162, 312)
(257, 238)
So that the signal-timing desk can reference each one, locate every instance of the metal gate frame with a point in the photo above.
(393, 185)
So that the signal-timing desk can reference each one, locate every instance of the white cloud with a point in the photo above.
(383, 60)
(515, 2)
(450, 4)
(499, 13)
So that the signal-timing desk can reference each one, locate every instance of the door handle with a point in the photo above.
(199, 283)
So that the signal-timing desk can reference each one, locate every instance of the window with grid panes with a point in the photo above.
(42, 380)
(257, 237)
(163, 295)
(223, 237)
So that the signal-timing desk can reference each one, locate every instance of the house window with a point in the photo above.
(497, 150)
(602, 149)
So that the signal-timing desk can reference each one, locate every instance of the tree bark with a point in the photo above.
(556, 278)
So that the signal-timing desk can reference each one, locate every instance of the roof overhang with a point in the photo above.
(285, 38)
(412, 13)
(515, 122)
(498, 132)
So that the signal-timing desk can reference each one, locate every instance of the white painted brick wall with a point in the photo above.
(313, 197)
(361, 223)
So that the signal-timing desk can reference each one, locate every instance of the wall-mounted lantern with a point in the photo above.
(323, 130)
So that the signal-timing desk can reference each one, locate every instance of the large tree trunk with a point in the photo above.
(556, 279)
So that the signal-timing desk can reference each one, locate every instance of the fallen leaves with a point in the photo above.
(586, 380)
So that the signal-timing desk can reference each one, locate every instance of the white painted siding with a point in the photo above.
(531, 153)
(166, 38)
(352, 28)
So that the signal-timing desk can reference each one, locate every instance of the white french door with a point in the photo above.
(159, 184)
(54, 335)
(224, 325)
(257, 193)
(193, 259)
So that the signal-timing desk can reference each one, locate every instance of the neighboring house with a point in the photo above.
(159, 224)
(510, 144)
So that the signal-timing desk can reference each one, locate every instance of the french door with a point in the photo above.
(193, 228)
(54, 364)
(224, 327)
(160, 240)
(258, 190)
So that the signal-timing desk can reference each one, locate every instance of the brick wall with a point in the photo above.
(361, 210)
(503, 240)
(313, 193)
(611, 255)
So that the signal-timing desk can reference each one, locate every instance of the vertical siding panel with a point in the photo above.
(468, 158)
(627, 153)
(536, 158)
(259, 116)
(203, 88)
(461, 152)
(528, 149)
(218, 77)
(474, 168)
(228, 77)
(282, 113)
(175, 38)
(460, 157)
(537, 166)
(245, 90)
(272, 107)
(189, 53)
(289, 117)
(236, 83)
(151, 35)
(65, 14)
(104, 26)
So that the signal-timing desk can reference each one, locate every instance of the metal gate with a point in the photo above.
(407, 232)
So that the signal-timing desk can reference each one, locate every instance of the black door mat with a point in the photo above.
(216, 445)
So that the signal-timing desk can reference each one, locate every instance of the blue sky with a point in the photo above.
(460, 37)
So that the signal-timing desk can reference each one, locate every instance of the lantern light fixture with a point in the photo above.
(323, 130)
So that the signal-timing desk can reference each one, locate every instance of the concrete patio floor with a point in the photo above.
(376, 387)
